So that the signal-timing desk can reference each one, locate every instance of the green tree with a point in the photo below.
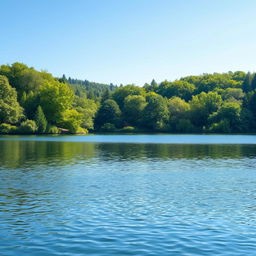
(40, 120)
(247, 84)
(179, 110)
(231, 94)
(209, 82)
(202, 105)
(71, 120)
(133, 109)
(88, 108)
(22, 78)
(177, 88)
(178, 107)
(55, 99)
(10, 110)
(253, 84)
(122, 92)
(109, 112)
(152, 87)
(155, 114)
(105, 96)
(251, 102)
(231, 113)
(30, 102)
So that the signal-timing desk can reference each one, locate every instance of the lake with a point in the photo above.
(128, 195)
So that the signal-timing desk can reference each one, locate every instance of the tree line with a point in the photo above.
(34, 101)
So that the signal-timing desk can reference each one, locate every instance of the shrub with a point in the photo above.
(82, 130)
(7, 128)
(128, 129)
(27, 127)
(108, 127)
(185, 125)
(71, 120)
(222, 126)
(51, 129)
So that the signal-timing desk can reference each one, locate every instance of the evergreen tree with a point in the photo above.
(40, 120)
(23, 99)
(253, 84)
(105, 96)
(247, 84)
(153, 85)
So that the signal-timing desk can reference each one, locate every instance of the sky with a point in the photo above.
(129, 41)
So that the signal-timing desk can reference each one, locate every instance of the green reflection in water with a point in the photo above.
(15, 154)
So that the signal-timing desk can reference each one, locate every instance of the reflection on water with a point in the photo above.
(86, 198)
(15, 154)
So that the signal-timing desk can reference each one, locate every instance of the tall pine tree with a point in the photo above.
(247, 84)
(40, 119)
(253, 85)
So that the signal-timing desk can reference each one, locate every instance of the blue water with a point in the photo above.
(146, 138)
(138, 195)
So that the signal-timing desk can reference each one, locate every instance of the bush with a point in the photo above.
(27, 127)
(128, 129)
(71, 120)
(51, 129)
(7, 128)
(185, 125)
(108, 127)
(222, 126)
(82, 130)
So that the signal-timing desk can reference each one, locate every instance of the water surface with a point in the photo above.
(128, 195)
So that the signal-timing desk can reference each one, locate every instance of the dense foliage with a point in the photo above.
(34, 101)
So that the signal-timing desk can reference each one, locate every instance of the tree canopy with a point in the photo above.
(33, 101)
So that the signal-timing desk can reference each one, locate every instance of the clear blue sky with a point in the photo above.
(129, 41)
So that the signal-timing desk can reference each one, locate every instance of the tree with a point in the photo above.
(30, 102)
(253, 84)
(109, 112)
(247, 84)
(179, 110)
(177, 88)
(55, 99)
(202, 105)
(227, 118)
(152, 87)
(251, 98)
(178, 107)
(155, 114)
(40, 120)
(122, 92)
(71, 120)
(10, 110)
(87, 108)
(231, 94)
(22, 78)
(209, 82)
(133, 109)
(105, 96)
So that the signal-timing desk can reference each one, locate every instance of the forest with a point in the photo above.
(35, 102)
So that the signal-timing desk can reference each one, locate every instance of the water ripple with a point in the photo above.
(154, 200)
